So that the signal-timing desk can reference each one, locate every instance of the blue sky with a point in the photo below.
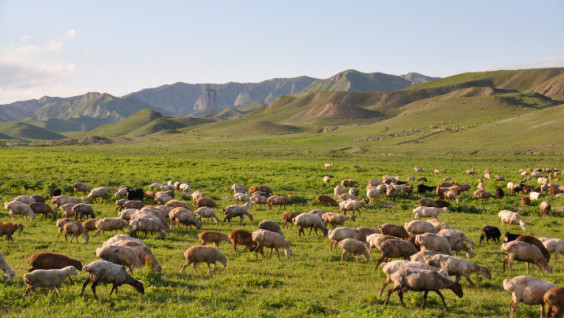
(66, 48)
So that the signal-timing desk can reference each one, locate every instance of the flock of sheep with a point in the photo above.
(426, 247)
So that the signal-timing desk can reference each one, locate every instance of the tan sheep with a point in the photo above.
(203, 254)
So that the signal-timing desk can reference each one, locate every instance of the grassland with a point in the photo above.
(313, 282)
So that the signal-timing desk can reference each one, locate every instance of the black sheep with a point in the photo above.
(55, 192)
(137, 194)
(490, 232)
(499, 193)
(421, 188)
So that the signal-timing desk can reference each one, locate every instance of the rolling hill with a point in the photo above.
(21, 130)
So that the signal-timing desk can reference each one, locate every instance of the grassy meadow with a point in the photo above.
(313, 282)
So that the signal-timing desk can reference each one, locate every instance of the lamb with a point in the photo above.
(238, 188)
(510, 218)
(9, 228)
(394, 266)
(527, 290)
(241, 237)
(375, 193)
(312, 221)
(348, 183)
(265, 238)
(17, 207)
(439, 225)
(109, 273)
(83, 210)
(394, 248)
(119, 255)
(355, 247)
(341, 233)
(25, 199)
(270, 226)
(490, 232)
(43, 209)
(213, 237)
(434, 242)
(336, 219)
(203, 254)
(288, 218)
(47, 278)
(207, 202)
(526, 252)
(428, 212)
(10, 274)
(111, 224)
(278, 200)
(350, 205)
(46, 260)
(554, 301)
(97, 193)
(237, 210)
(545, 207)
(421, 280)
(90, 225)
(420, 227)
(338, 191)
(177, 204)
(80, 187)
(354, 191)
(241, 197)
(321, 199)
(459, 267)
(207, 213)
(553, 245)
(393, 230)
(184, 216)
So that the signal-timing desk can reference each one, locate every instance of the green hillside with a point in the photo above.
(354, 81)
(171, 123)
(126, 125)
(27, 131)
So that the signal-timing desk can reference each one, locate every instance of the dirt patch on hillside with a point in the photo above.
(269, 128)
(331, 111)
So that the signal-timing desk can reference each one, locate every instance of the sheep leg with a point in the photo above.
(310, 229)
(386, 283)
(58, 291)
(504, 261)
(513, 308)
(343, 256)
(378, 262)
(390, 292)
(528, 268)
(510, 264)
(470, 281)
(184, 266)
(84, 286)
(94, 289)
(114, 287)
(442, 297)
(400, 295)
(27, 291)
(235, 247)
(194, 267)
(424, 299)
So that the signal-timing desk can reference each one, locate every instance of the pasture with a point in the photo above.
(312, 283)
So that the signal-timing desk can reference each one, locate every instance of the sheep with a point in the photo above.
(164, 210)
(545, 207)
(354, 191)
(237, 210)
(238, 188)
(421, 188)
(424, 179)
(355, 166)
(155, 186)
(47, 260)
(207, 202)
(203, 254)
(420, 227)
(212, 237)
(53, 192)
(338, 190)
(510, 218)
(527, 290)
(424, 256)
(428, 212)
(155, 215)
(451, 196)
(393, 266)
(434, 242)
(554, 301)
(278, 200)
(321, 199)
(109, 273)
(525, 201)
(411, 178)
(74, 229)
(460, 236)
(394, 248)
(267, 190)
(17, 207)
(43, 209)
(312, 221)
(418, 169)
(47, 278)
(336, 219)
(535, 195)
(355, 247)
(270, 226)
(427, 202)
(350, 205)
(393, 230)
(141, 250)
(146, 225)
(67, 210)
(25, 199)
(241, 237)
(341, 233)
(526, 252)
(256, 198)
(328, 165)
(207, 213)
(367, 231)
(421, 280)
(528, 239)
(374, 193)
(347, 196)
(439, 225)
(90, 225)
(80, 187)
(288, 218)
(126, 214)
(482, 194)
(196, 195)
(348, 183)
(375, 239)
(10, 274)
(184, 216)
(121, 193)
(317, 212)
(163, 197)
(241, 197)
(184, 187)
(265, 238)
(97, 193)
(177, 204)
(111, 224)
(9, 228)
(553, 245)
(83, 210)
(490, 232)
(150, 195)
(326, 179)
(119, 255)
(459, 267)
(389, 179)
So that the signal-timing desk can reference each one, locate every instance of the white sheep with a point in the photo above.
(326, 179)
(545, 207)
(109, 273)
(265, 238)
(184, 216)
(237, 210)
(420, 227)
(312, 221)
(126, 214)
(184, 187)
(350, 205)
(336, 219)
(373, 240)
(428, 212)
(394, 266)
(356, 247)
(119, 255)
(459, 267)
(207, 213)
(143, 252)
(374, 193)
(433, 242)
(241, 197)
(527, 290)
(61, 199)
(47, 278)
(553, 245)
(17, 207)
(146, 225)
(72, 228)
(440, 225)
(535, 195)
(163, 197)
(111, 224)
(203, 254)
(510, 218)
(97, 193)
(196, 195)
(25, 199)
(10, 274)
(341, 233)
(238, 188)
(338, 191)
(456, 240)
(418, 169)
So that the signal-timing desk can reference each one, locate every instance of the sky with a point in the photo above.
(68, 48)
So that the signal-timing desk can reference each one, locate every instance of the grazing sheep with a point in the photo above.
(184, 187)
(482, 194)
(238, 188)
(527, 290)
(83, 210)
(61, 199)
(347, 196)
(67, 211)
(212, 237)
(203, 254)
(421, 280)
(459, 267)
(525, 252)
(17, 207)
(535, 195)
(375, 193)
(241, 197)
(207, 213)
(328, 165)
(150, 195)
(545, 207)
(418, 169)
(350, 205)
(554, 301)
(141, 250)
(452, 196)
(510, 218)
(278, 200)
(338, 190)
(354, 191)
(433, 242)
(237, 210)
(163, 197)
(325, 199)
(267, 190)
(288, 218)
(528, 239)
(47, 278)
(525, 201)
(312, 221)
(428, 212)
(427, 202)
(265, 238)
(356, 247)
(421, 188)
(111, 224)
(326, 179)
(126, 214)
(356, 166)
(146, 225)
(207, 202)
(424, 256)
(270, 226)
(393, 230)
(393, 266)
(46, 260)
(317, 212)
(553, 245)
(335, 219)
(80, 187)
(177, 204)
(456, 239)
(499, 193)
(97, 193)
(420, 227)
(196, 195)
(25, 199)
(367, 231)
(348, 183)
(439, 225)
(10, 274)
(184, 216)
(9, 228)
(394, 248)
(341, 233)
(54, 192)
(424, 179)
(74, 229)
(490, 232)
(109, 273)
(90, 225)
(442, 203)
(43, 209)
(256, 198)
(241, 237)
(119, 255)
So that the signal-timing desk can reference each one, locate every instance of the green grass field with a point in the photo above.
(313, 282)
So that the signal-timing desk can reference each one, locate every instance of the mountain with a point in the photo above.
(21, 130)
(416, 78)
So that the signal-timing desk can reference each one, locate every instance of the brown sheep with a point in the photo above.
(43, 209)
(442, 203)
(89, 225)
(46, 260)
(83, 210)
(213, 237)
(265, 189)
(278, 200)
(150, 195)
(427, 202)
(525, 201)
(393, 230)
(321, 199)
(288, 216)
(348, 183)
(241, 237)
(38, 198)
(207, 202)
(554, 302)
(9, 228)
